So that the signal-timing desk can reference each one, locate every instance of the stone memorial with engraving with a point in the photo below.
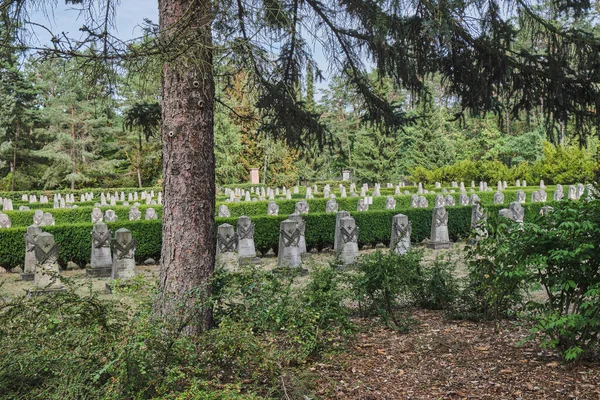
(289, 254)
(135, 214)
(101, 258)
(110, 216)
(123, 258)
(439, 238)
(347, 247)
(33, 231)
(401, 231)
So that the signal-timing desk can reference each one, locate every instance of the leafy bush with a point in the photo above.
(495, 285)
(54, 347)
(436, 287)
(556, 252)
(383, 279)
(560, 253)
(271, 303)
(564, 165)
(69, 346)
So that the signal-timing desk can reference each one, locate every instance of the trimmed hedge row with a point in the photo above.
(74, 240)
(317, 205)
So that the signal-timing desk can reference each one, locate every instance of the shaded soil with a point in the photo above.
(445, 359)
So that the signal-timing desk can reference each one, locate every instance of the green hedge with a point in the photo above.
(317, 205)
(74, 240)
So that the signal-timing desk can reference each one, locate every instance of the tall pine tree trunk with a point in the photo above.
(188, 225)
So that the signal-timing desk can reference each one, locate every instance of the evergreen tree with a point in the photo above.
(17, 107)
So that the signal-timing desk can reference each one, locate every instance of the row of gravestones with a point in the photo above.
(262, 194)
(105, 199)
(416, 201)
(41, 250)
(232, 244)
(41, 218)
(134, 215)
(41, 257)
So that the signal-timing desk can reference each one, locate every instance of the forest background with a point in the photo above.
(59, 128)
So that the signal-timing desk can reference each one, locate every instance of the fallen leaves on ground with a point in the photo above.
(445, 359)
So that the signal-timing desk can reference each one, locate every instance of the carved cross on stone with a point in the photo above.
(441, 217)
(100, 239)
(291, 237)
(349, 235)
(245, 231)
(125, 249)
(46, 253)
(227, 243)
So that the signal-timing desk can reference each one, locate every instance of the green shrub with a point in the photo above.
(436, 287)
(55, 346)
(383, 279)
(559, 252)
(74, 241)
(495, 285)
(564, 165)
(269, 303)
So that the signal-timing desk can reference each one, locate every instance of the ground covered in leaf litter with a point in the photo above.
(445, 359)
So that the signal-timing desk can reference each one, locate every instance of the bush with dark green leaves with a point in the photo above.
(557, 252)
(383, 281)
(68, 345)
(436, 287)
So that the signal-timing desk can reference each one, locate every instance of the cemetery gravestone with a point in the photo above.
(134, 214)
(33, 231)
(301, 224)
(245, 237)
(362, 205)
(302, 207)
(47, 220)
(289, 250)
(390, 203)
(272, 208)
(498, 198)
(338, 216)
(224, 211)
(47, 277)
(101, 261)
(331, 206)
(110, 216)
(5, 221)
(347, 248)
(226, 243)
(439, 229)
(401, 231)
(150, 214)
(124, 245)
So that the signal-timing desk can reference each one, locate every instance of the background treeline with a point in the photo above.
(61, 127)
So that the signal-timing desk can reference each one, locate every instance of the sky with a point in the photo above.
(130, 15)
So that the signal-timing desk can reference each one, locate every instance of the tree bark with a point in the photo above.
(188, 225)
(73, 148)
(14, 164)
